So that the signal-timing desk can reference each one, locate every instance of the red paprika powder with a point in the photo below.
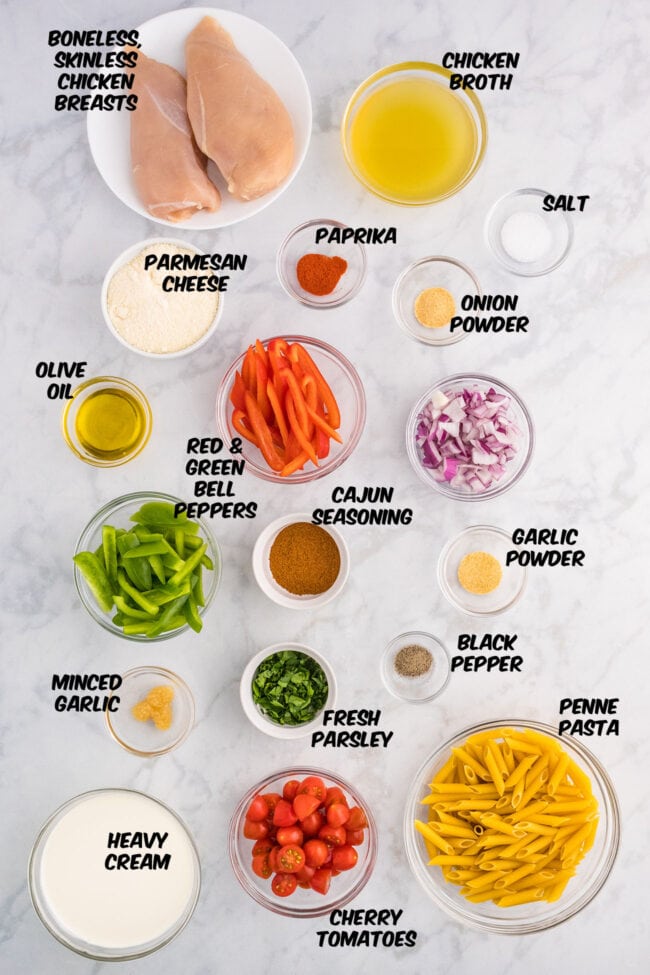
(319, 274)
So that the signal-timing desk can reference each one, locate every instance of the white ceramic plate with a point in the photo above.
(163, 39)
(262, 568)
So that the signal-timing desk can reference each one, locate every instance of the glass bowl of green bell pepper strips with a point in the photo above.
(143, 573)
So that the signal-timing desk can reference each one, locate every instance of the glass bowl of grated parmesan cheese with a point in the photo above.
(161, 299)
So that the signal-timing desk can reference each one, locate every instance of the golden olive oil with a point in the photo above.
(110, 424)
(413, 140)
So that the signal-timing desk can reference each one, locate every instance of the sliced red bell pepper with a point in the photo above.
(296, 464)
(299, 404)
(326, 394)
(249, 370)
(239, 422)
(261, 394)
(237, 392)
(277, 411)
(261, 352)
(301, 437)
(261, 430)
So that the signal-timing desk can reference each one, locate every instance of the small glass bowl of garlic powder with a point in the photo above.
(474, 576)
(143, 304)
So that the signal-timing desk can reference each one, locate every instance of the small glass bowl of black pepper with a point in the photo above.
(415, 667)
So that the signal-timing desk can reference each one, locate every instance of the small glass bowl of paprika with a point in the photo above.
(321, 264)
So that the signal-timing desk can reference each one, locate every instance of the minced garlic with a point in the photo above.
(479, 573)
(434, 307)
(154, 320)
(156, 707)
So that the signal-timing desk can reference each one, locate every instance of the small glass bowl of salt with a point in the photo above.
(526, 239)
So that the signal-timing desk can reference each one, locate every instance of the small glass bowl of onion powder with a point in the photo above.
(415, 667)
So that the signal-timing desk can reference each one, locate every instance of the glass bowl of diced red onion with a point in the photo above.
(470, 437)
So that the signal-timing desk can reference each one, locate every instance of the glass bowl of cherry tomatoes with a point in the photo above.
(302, 842)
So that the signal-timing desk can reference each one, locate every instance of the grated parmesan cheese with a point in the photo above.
(150, 319)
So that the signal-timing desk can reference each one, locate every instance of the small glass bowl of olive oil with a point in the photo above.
(409, 138)
(107, 422)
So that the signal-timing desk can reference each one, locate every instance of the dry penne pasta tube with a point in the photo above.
(517, 815)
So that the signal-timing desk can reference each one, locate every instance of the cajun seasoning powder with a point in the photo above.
(318, 274)
(304, 559)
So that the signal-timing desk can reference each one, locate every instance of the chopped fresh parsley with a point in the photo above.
(289, 687)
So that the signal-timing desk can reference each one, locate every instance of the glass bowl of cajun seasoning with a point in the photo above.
(300, 565)
(415, 667)
(321, 264)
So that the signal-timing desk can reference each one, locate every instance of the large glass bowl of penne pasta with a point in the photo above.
(511, 828)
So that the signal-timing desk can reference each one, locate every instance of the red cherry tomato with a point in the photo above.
(354, 837)
(271, 799)
(320, 882)
(289, 835)
(262, 846)
(283, 814)
(334, 794)
(344, 857)
(334, 835)
(289, 789)
(337, 814)
(284, 884)
(313, 786)
(357, 818)
(261, 866)
(273, 859)
(305, 874)
(291, 859)
(255, 831)
(310, 825)
(304, 805)
(258, 810)
(316, 853)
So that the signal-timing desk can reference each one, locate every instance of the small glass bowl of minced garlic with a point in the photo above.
(415, 667)
(151, 712)
(428, 299)
(474, 574)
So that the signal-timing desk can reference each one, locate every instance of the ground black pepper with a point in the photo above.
(413, 661)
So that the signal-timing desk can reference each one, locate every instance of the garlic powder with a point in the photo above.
(150, 319)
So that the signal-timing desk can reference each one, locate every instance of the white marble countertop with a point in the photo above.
(575, 120)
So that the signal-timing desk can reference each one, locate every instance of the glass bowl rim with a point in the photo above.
(178, 682)
(442, 582)
(401, 638)
(109, 381)
(399, 282)
(431, 68)
(517, 267)
(505, 483)
(282, 905)
(611, 820)
(32, 883)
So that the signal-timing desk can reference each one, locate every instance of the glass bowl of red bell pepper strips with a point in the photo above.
(330, 849)
(296, 404)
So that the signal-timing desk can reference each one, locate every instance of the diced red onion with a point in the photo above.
(467, 438)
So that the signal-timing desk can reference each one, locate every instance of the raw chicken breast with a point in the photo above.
(168, 169)
(237, 118)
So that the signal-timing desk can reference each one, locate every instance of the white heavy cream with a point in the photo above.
(116, 871)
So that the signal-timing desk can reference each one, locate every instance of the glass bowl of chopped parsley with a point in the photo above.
(285, 688)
